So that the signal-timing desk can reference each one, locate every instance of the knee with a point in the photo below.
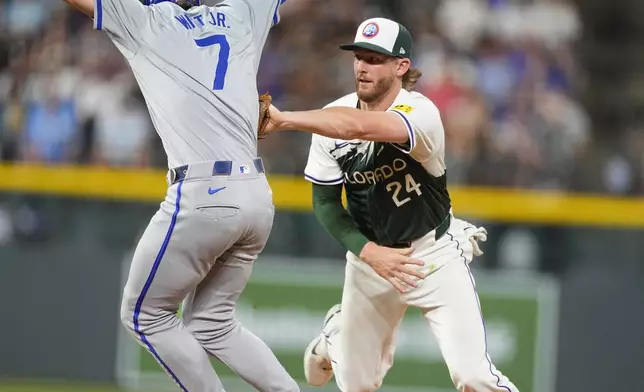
(210, 331)
(145, 319)
(127, 313)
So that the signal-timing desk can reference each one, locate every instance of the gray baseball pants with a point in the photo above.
(199, 249)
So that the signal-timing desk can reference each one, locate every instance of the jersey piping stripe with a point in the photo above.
(324, 182)
(99, 14)
(410, 130)
(276, 15)
(487, 356)
(146, 287)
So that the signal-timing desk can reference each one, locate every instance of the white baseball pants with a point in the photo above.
(362, 350)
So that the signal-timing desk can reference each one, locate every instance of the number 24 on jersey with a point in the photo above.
(396, 187)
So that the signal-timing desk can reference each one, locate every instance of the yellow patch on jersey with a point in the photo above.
(404, 108)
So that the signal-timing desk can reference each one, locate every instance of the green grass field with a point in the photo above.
(24, 386)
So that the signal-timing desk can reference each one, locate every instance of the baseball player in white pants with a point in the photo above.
(196, 67)
(385, 146)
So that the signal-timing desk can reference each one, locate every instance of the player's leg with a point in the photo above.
(209, 311)
(455, 317)
(168, 263)
(360, 339)
(209, 314)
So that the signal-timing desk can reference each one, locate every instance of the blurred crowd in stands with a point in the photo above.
(503, 73)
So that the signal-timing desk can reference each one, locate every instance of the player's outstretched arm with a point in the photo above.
(344, 123)
(84, 6)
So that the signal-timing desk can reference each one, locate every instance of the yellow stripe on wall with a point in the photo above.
(88, 182)
(294, 194)
(511, 205)
(289, 192)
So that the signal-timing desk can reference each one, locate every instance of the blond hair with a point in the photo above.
(410, 78)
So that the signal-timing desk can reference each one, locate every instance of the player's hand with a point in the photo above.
(393, 265)
(275, 120)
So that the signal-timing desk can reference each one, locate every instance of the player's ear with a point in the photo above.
(403, 67)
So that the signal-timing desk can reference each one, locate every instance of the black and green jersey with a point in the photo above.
(390, 195)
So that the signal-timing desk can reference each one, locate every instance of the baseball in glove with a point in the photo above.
(264, 115)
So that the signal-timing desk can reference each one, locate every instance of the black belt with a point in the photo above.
(441, 229)
(219, 168)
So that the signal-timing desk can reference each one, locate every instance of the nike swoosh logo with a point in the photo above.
(213, 191)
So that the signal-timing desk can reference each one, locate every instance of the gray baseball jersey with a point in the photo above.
(197, 70)
(206, 59)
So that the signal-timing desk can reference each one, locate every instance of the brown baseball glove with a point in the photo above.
(264, 114)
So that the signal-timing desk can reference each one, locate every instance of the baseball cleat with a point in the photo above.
(317, 367)
(317, 363)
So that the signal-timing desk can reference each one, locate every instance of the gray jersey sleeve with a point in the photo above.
(264, 15)
(123, 20)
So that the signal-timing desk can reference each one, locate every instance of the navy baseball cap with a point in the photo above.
(383, 36)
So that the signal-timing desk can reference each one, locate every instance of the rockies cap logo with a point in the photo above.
(370, 30)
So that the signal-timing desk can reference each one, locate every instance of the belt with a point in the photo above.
(219, 168)
(441, 229)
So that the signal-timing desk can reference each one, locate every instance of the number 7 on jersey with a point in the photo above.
(222, 63)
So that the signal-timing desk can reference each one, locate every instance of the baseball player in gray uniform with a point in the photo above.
(196, 67)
